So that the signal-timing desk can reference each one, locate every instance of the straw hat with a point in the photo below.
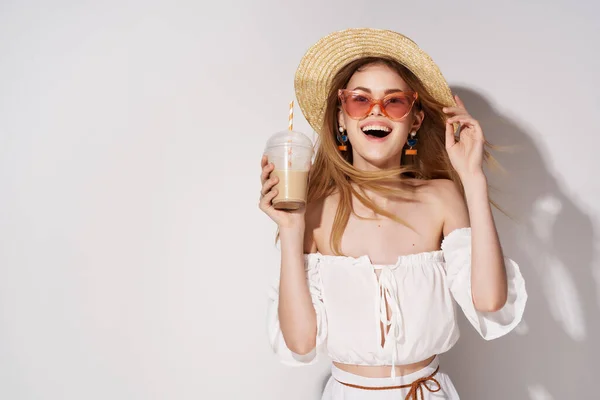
(326, 57)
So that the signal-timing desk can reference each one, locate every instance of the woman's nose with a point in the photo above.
(376, 110)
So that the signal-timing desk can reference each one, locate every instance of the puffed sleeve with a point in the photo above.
(311, 262)
(491, 325)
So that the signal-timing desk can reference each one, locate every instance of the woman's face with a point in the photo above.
(370, 152)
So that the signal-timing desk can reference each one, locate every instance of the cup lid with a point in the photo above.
(285, 138)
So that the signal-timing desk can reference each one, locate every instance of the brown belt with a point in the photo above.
(416, 388)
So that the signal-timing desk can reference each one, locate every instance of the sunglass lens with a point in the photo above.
(397, 106)
(357, 105)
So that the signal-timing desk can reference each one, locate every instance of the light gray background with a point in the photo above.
(134, 261)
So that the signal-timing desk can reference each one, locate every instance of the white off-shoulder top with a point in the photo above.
(421, 290)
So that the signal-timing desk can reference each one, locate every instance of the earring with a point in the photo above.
(342, 138)
(412, 142)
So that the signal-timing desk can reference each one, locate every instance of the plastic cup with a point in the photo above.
(291, 153)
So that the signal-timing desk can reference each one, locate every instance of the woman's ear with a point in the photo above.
(418, 120)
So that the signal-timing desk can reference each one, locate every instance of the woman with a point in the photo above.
(397, 228)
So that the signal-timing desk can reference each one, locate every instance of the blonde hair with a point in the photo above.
(333, 172)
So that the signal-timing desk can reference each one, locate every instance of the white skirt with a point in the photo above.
(437, 387)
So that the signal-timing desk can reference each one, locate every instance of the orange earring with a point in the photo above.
(412, 142)
(343, 139)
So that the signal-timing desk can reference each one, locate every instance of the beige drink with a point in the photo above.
(292, 189)
(291, 154)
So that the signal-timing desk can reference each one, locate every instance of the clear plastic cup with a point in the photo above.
(291, 153)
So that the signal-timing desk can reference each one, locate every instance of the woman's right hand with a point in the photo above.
(284, 218)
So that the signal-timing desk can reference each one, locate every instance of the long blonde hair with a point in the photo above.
(333, 172)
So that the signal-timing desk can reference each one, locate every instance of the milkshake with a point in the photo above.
(291, 153)
(292, 189)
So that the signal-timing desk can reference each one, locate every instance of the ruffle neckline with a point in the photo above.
(406, 259)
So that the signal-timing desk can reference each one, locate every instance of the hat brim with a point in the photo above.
(331, 53)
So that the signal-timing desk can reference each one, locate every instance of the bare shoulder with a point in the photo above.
(440, 190)
(447, 197)
(446, 190)
(318, 219)
(314, 211)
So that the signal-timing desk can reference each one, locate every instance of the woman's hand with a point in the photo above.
(283, 218)
(466, 154)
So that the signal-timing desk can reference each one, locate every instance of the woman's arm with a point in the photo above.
(297, 316)
(296, 313)
(488, 272)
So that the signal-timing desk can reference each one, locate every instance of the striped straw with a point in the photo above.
(290, 127)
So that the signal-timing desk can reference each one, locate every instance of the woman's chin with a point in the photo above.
(378, 160)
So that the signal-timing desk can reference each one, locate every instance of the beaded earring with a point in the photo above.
(343, 139)
(412, 142)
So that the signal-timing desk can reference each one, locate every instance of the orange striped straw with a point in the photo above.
(290, 127)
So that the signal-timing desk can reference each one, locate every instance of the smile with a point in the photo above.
(376, 131)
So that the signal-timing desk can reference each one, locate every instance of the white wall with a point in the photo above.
(134, 260)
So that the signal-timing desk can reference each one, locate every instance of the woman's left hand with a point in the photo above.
(466, 154)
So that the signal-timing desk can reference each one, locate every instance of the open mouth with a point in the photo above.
(376, 131)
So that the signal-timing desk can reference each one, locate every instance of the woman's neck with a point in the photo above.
(368, 166)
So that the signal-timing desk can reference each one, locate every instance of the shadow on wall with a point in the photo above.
(553, 353)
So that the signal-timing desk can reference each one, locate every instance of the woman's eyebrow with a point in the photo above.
(364, 89)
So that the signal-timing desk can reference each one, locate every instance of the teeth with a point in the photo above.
(376, 128)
